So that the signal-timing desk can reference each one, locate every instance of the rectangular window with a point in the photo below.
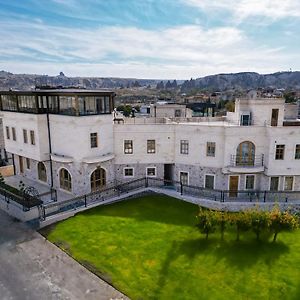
(184, 178)
(25, 136)
(184, 147)
(7, 132)
(245, 120)
(151, 172)
(209, 182)
(32, 138)
(274, 183)
(274, 117)
(94, 140)
(297, 152)
(14, 137)
(250, 182)
(279, 155)
(288, 183)
(128, 146)
(210, 149)
(150, 146)
(128, 172)
(177, 113)
(27, 163)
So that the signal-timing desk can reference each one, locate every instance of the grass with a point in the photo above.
(149, 248)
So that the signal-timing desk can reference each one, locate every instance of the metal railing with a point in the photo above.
(247, 161)
(162, 184)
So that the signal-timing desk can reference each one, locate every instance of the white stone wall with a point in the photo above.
(20, 121)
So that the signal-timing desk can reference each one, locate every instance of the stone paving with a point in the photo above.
(31, 268)
(41, 187)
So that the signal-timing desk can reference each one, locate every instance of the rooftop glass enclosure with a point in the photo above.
(75, 104)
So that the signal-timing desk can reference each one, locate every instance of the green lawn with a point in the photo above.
(149, 248)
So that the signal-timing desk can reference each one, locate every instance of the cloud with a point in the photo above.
(273, 9)
(181, 52)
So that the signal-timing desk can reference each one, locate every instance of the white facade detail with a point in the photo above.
(245, 144)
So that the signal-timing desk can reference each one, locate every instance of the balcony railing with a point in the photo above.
(247, 161)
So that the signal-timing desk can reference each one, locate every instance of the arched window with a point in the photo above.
(98, 179)
(42, 172)
(65, 180)
(245, 154)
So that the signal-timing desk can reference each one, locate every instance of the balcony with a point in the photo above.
(246, 164)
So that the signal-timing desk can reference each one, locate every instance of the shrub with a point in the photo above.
(282, 221)
(259, 221)
(242, 222)
(207, 221)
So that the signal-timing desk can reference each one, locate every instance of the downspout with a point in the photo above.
(13, 161)
(50, 146)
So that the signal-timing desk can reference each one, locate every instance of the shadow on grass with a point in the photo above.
(242, 254)
(154, 208)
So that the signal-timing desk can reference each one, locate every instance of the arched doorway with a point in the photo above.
(65, 180)
(245, 154)
(42, 172)
(98, 179)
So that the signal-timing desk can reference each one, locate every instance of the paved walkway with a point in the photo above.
(41, 187)
(31, 268)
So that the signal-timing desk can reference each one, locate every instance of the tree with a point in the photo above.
(242, 222)
(222, 221)
(230, 106)
(125, 109)
(282, 221)
(207, 221)
(259, 221)
(290, 97)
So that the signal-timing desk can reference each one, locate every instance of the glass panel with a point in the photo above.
(9, 102)
(27, 103)
(67, 105)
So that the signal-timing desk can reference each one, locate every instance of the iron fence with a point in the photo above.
(162, 184)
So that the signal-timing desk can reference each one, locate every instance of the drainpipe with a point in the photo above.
(50, 146)
(13, 160)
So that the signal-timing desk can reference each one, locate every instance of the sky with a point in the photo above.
(157, 39)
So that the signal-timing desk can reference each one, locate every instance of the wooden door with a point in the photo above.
(274, 119)
(233, 186)
(21, 164)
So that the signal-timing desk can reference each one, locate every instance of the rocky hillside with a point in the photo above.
(29, 81)
(219, 82)
(244, 81)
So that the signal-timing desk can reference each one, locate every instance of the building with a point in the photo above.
(69, 140)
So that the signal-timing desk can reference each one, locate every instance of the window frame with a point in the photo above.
(297, 151)
(94, 139)
(7, 132)
(128, 150)
(184, 147)
(65, 183)
(180, 177)
(27, 163)
(279, 152)
(284, 183)
(151, 146)
(32, 137)
(211, 149)
(214, 181)
(14, 134)
(254, 182)
(126, 169)
(147, 175)
(25, 136)
(278, 184)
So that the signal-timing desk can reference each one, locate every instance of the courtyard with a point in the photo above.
(149, 248)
